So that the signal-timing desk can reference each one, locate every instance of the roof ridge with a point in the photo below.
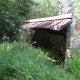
(64, 16)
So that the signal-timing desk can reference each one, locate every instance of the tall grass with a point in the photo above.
(21, 61)
(73, 65)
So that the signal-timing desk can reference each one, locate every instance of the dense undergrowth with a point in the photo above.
(21, 61)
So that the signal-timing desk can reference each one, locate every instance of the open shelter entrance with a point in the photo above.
(50, 39)
(53, 33)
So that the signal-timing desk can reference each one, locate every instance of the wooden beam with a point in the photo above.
(65, 16)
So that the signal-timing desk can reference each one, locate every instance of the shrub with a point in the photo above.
(73, 65)
(21, 61)
(12, 14)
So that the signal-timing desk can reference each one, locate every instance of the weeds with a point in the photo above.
(21, 61)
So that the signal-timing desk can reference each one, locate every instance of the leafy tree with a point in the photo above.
(44, 8)
(77, 8)
(12, 13)
(65, 6)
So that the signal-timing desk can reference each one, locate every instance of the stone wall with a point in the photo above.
(72, 36)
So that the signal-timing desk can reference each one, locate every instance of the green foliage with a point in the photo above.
(12, 14)
(44, 8)
(73, 66)
(77, 8)
(65, 6)
(20, 61)
(26, 35)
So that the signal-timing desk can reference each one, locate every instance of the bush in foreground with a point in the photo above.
(73, 65)
(20, 61)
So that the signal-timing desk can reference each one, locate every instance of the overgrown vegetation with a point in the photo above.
(21, 61)
(12, 14)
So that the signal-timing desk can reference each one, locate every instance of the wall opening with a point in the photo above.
(52, 41)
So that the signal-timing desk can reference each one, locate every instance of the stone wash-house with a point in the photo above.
(57, 32)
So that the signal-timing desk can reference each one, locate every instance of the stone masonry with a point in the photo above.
(72, 36)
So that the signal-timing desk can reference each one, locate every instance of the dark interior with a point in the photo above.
(53, 41)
